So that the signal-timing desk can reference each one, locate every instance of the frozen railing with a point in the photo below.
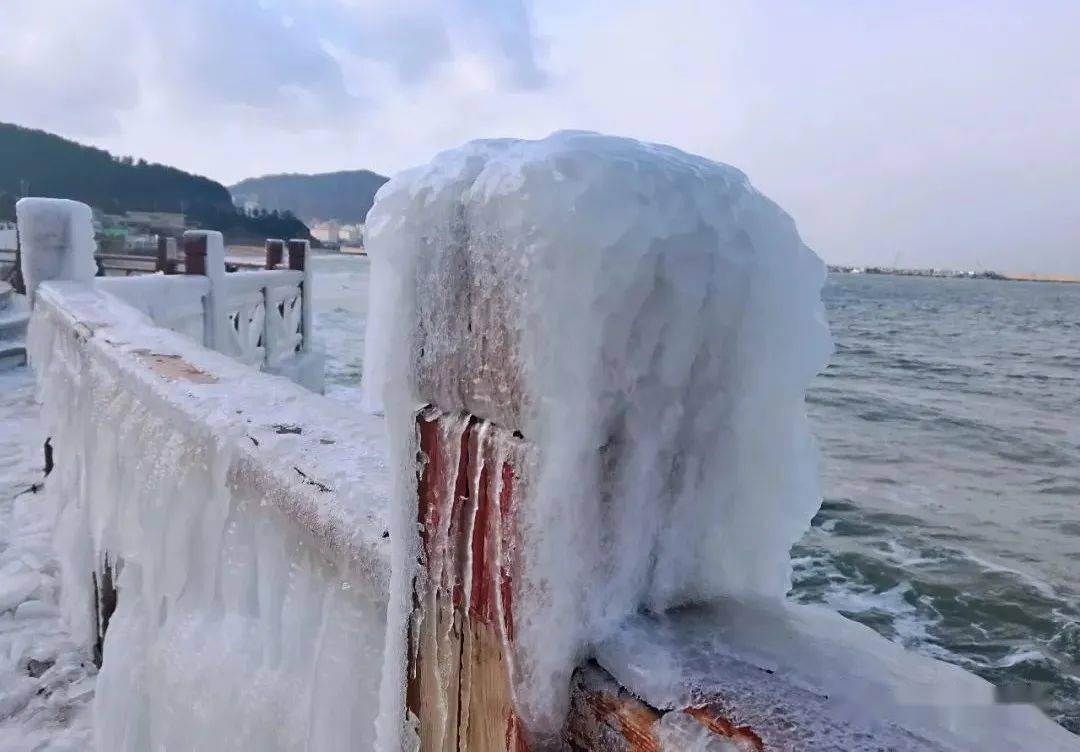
(262, 318)
(225, 529)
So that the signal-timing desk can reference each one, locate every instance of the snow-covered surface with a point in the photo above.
(57, 237)
(250, 517)
(650, 322)
(46, 677)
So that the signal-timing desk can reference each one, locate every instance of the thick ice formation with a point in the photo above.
(242, 518)
(46, 678)
(57, 237)
(649, 321)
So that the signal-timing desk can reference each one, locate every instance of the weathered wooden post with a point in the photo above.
(195, 253)
(166, 261)
(162, 261)
(275, 251)
(204, 254)
(473, 488)
(298, 250)
(459, 680)
(298, 261)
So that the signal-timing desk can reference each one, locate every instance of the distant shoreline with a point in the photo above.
(950, 274)
(1044, 278)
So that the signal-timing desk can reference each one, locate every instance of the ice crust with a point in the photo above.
(57, 237)
(244, 519)
(649, 321)
(46, 679)
(806, 678)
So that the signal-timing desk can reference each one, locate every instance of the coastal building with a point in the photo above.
(328, 232)
(352, 234)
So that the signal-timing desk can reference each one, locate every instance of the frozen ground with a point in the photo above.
(46, 681)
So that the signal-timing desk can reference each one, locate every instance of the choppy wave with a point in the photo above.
(949, 424)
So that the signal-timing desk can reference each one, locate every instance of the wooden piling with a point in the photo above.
(275, 252)
(298, 250)
(194, 253)
(166, 261)
(459, 684)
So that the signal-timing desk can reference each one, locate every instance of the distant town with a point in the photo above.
(951, 273)
(838, 269)
(331, 233)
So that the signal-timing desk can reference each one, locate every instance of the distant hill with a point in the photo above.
(37, 163)
(345, 196)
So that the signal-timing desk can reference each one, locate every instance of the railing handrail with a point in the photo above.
(346, 519)
(257, 280)
(260, 316)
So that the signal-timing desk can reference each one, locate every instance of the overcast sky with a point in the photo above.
(941, 133)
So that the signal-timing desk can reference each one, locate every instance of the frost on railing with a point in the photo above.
(242, 521)
(247, 326)
(264, 314)
(262, 318)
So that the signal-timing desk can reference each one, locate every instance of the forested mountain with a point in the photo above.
(345, 196)
(37, 163)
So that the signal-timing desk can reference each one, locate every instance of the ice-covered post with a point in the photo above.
(56, 238)
(162, 261)
(613, 340)
(299, 250)
(166, 254)
(204, 254)
(275, 251)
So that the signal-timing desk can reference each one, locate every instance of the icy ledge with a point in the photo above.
(806, 678)
(244, 521)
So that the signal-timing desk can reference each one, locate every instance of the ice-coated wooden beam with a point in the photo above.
(470, 490)
(462, 625)
(275, 252)
(298, 251)
(194, 253)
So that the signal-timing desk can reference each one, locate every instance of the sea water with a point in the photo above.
(949, 426)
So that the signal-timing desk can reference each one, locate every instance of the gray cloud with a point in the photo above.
(942, 132)
(79, 69)
(66, 68)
